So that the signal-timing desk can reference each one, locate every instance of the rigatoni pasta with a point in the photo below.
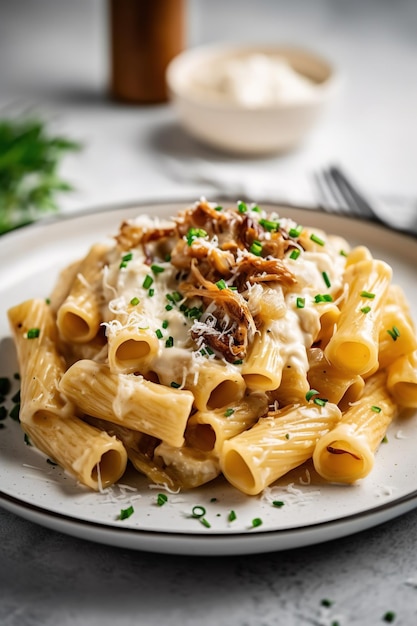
(224, 340)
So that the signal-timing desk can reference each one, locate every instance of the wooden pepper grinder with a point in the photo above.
(145, 36)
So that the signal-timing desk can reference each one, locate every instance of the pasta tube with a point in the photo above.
(208, 430)
(402, 380)
(337, 386)
(92, 456)
(275, 445)
(262, 369)
(354, 345)
(347, 452)
(128, 400)
(79, 316)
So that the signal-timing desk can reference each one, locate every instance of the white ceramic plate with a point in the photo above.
(34, 489)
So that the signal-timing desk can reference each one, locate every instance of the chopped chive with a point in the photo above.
(389, 617)
(367, 294)
(165, 324)
(157, 269)
(326, 279)
(125, 259)
(295, 254)
(317, 239)
(33, 333)
(205, 522)
(278, 503)
(125, 513)
(343, 253)
(376, 409)
(242, 207)
(158, 333)
(218, 208)
(147, 282)
(229, 412)
(365, 309)
(151, 292)
(238, 362)
(256, 248)
(5, 386)
(198, 511)
(168, 307)
(320, 401)
(161, 499)
(195, 233)
(256, 209)
(134, 301)
(256, 522)
(323, 297)
(221, 284)
(311, 393)
(384, 439)
(174, 297)
(295, 232)
(232, 516)
(169, 342)
(326, 602)
(394, 333)
(269, 225)
(14, 412)
(300, 303)
(175, 385)
(167, 258)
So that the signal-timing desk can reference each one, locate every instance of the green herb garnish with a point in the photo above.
(317, 239)
(5, 386)
(147, 281)
(161, 499)
(125, 513)
(256, 248)
(195, 233)
(33, 333)
(394, 333)
(269, 225)
(326, 279)
(29, 161)
(256, 522)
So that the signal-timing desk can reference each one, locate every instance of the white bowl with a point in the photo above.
(233, 126)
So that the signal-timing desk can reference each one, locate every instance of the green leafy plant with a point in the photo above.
(29, 162)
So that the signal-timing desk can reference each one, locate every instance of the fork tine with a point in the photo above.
(353, 198)
(330, 199)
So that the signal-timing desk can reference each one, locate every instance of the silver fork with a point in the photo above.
(337, 194)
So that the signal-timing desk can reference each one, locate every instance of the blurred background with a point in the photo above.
(54, 60)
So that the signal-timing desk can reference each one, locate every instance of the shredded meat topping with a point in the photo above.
(220, 254)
